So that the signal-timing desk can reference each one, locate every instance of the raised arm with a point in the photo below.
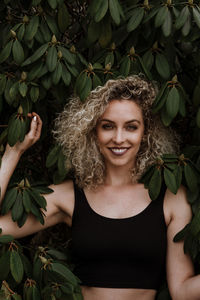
(182, 282)
(54, 213)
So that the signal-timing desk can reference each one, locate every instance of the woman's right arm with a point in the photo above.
(10, 159)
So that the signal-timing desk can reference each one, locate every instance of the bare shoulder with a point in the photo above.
(176, 206)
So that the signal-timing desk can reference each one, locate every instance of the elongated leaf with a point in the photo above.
(18, 52)
(196, 15)
(5, 53)
(114, 10)
(183, 16)
(31, 28)
(162, 66)
(65, 272)
(5, 265)
(14, 90)
(38, 53)
(40, 200)
(5, 239)
(94, 31)
(2, 84)
(160, 98)
(66, 76)
(167, 24)
(161, 16)
(170, 180)
(23, 88)
(67, 55)
(26, 201)
(8, 200)
(155, 184)
(34, 93)
(64, 18)
(136, 19)
(52, 3)
(148, 59)
(56, 76)
(181, 234)
(86, 89)
(190, 177)
(172, 102)
(17, 209)
(102, 10)
(20, 32)
(52, 58)
(187, 26)
(125, 66)
(16, 266)
(14, 129)
(52, 156)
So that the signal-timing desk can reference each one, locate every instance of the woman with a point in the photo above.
(121, 240)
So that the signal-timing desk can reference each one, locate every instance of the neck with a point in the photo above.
(118, 176)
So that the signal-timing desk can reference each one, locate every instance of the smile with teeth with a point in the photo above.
(118, 151)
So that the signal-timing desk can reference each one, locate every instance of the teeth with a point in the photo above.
(118, 151)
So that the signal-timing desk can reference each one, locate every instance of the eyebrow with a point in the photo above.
(127, 122)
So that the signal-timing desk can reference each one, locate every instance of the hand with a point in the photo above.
(31, 137)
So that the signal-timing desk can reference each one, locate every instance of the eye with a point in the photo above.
(107, 126)
(131, 127)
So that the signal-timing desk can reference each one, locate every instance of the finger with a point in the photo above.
(37, 118)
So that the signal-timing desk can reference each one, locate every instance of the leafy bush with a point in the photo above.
(51, 49)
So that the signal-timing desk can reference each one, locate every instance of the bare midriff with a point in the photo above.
(96, 293)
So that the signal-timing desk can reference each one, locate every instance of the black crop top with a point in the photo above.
(119, 253)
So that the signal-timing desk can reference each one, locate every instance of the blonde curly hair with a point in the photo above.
(75, 130)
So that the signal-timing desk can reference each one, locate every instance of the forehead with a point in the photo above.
(126, 109)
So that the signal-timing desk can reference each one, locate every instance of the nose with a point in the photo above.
(119, 136)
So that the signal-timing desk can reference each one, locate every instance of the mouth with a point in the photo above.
(118, 151)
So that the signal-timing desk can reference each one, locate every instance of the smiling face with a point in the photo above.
(119, 133)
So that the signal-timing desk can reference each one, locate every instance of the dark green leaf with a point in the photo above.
(102, 10)
(38, 53)
(136, 18)
(170, 180)
(167, 24)
(183, 16)
(8, 200)
(155, 184)
(4, 265)
(16, 266)
(17, 209)
(190, 177)
(52, 58)
(31, 28)
(114, 10)
(162, 66)
(18, 52)
(161, 16)
(172, 102)
(196, 15)
(5, 53)
(64, 18)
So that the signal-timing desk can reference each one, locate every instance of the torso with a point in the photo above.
(107, 201)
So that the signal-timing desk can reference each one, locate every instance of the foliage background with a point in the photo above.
(51, 49)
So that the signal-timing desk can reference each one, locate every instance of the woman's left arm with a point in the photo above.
(183, 284)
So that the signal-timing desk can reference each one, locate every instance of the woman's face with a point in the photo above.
(119, 133)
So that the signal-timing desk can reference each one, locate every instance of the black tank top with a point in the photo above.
(119, 253)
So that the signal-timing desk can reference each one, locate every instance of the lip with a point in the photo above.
(119, 151)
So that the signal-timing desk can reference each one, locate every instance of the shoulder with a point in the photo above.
(176, 207)
(62, 196)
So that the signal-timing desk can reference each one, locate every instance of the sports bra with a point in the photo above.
(119, 253)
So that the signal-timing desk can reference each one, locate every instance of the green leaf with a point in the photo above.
(183, 16)
(198, 117)
(40, 200)
(52, 3)
(18, 52)
(162, 66)
(14, 129)
(160, 98)
(51, 21)
(167, 24)
(26, 201)
(161, 16)
(47, 82)
(8, 200)
(172, 102)
(148, 59)
(14, 90)
(65, 272)
(94, 31)
(2, 84)
(155, 184)
(31, 28)
(187, 26)
(23, 88)
(170, 180)
(66, 76)
(16, 266)
(67, 55)
(86, 89)
(17, 209)
(52, 157)
(181, 234)
(101, 11)
(5, 265)
(196, 16)
(38, 53)
(106, 33)
(52, 58)
(20, 32)
(56, 76)
(34, 93)
(35, 71)
(136, 18)
(5, 53)
(5, 239)
(96, 81)
(125, 66)
(64, 18)
(165, 117)
(190, 177)
(114, 10)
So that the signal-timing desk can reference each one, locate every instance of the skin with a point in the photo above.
(114, 131)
